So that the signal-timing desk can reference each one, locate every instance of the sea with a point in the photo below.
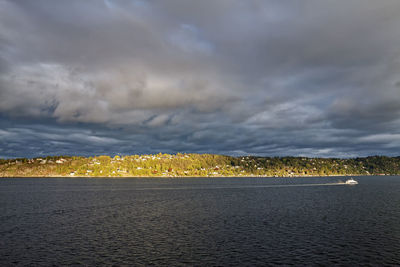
(199, 221)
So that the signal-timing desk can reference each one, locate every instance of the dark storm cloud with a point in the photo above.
(316, 78)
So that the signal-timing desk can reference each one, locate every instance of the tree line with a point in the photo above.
(196, 165)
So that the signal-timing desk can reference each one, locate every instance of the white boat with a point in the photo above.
(351, 181)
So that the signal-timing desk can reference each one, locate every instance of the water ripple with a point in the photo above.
(218, 222)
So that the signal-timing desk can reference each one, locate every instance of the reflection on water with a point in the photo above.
(199, 221)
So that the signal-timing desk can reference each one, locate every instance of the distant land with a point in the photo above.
(196, 165)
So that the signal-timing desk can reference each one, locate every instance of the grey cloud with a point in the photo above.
(265, 77)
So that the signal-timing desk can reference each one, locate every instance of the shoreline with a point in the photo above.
(183, 177)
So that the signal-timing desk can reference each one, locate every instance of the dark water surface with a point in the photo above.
(199, 221)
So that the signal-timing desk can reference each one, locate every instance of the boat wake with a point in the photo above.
(239, 187)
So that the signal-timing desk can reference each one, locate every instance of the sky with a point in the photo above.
(260, 77)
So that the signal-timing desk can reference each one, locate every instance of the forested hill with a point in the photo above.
(202, 165)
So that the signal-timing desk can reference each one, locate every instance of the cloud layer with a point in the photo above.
(314, 78)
